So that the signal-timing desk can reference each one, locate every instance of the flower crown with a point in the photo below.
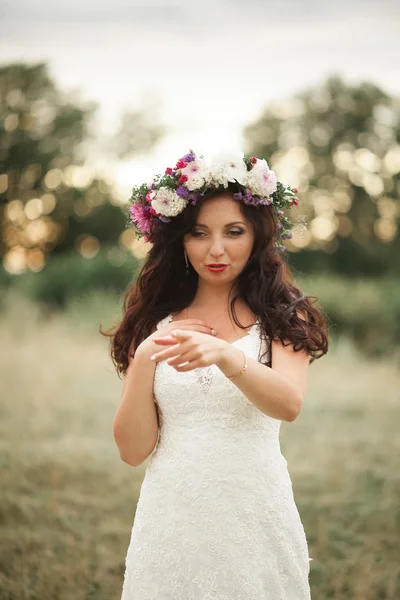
(166, 196)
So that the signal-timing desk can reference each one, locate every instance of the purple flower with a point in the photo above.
(237, 196)
(189, 157)
(248, 198)
(194, 197)
(182, 191)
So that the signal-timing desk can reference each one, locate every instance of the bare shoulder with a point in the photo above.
(290, 363)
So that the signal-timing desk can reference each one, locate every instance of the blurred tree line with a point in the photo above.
(63, 230)
(51, 200)
(340, 146)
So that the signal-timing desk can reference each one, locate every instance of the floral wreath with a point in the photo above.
(166, 196)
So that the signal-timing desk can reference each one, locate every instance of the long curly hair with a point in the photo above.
(266, 284)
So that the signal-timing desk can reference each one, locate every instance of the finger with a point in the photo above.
(202, 328)
(183, 322)
(195, 321)
(182, 357)
(163, 354)
(180, 333)
(175, 337)
(194, 364)
(165, 340)
(173, 350)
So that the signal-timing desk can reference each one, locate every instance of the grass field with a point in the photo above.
(68, 501)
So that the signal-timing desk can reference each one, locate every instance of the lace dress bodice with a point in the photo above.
(216, 517)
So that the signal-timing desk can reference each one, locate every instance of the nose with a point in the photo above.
(217, 248)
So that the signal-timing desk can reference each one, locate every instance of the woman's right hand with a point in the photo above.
(192, 324)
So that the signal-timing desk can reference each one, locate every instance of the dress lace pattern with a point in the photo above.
(216, 517)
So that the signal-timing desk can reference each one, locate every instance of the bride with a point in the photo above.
(215, 344)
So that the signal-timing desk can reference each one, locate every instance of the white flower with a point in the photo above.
(197, 172)
(167, 203)
(261, 179)
(228, 167)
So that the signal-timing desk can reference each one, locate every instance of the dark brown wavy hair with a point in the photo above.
(266, 284)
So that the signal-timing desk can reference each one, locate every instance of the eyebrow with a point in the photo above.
(227, 225)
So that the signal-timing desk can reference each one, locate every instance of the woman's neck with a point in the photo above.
(213, 298)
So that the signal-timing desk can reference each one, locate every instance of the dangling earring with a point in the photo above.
(187, 264)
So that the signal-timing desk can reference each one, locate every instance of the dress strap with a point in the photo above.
(254, 329)
(164, 321)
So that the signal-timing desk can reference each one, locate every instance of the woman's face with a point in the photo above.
(221, 235)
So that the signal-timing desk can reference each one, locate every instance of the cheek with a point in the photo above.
(194, 248)
(242, 247)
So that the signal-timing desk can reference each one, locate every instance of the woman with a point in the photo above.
(214, 359)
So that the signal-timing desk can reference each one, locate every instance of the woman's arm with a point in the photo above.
(135, 426)
(277, 391)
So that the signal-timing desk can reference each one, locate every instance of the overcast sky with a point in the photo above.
(211, 65)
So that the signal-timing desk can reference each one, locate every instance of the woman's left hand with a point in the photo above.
(191, 347)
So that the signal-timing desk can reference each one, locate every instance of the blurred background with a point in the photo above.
(97, 97)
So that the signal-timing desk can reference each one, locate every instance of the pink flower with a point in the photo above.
(181, 164)
(183, 179)
(262, 181)
(141, 217)
(168, 171)
(197, 172)
(253, 159)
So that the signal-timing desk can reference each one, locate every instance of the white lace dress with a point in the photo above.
(216, 517)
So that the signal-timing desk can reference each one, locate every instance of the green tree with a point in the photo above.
(339, 144)
(51, 200)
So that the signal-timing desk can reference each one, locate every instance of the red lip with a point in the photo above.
(217, 265)
(217, 269)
